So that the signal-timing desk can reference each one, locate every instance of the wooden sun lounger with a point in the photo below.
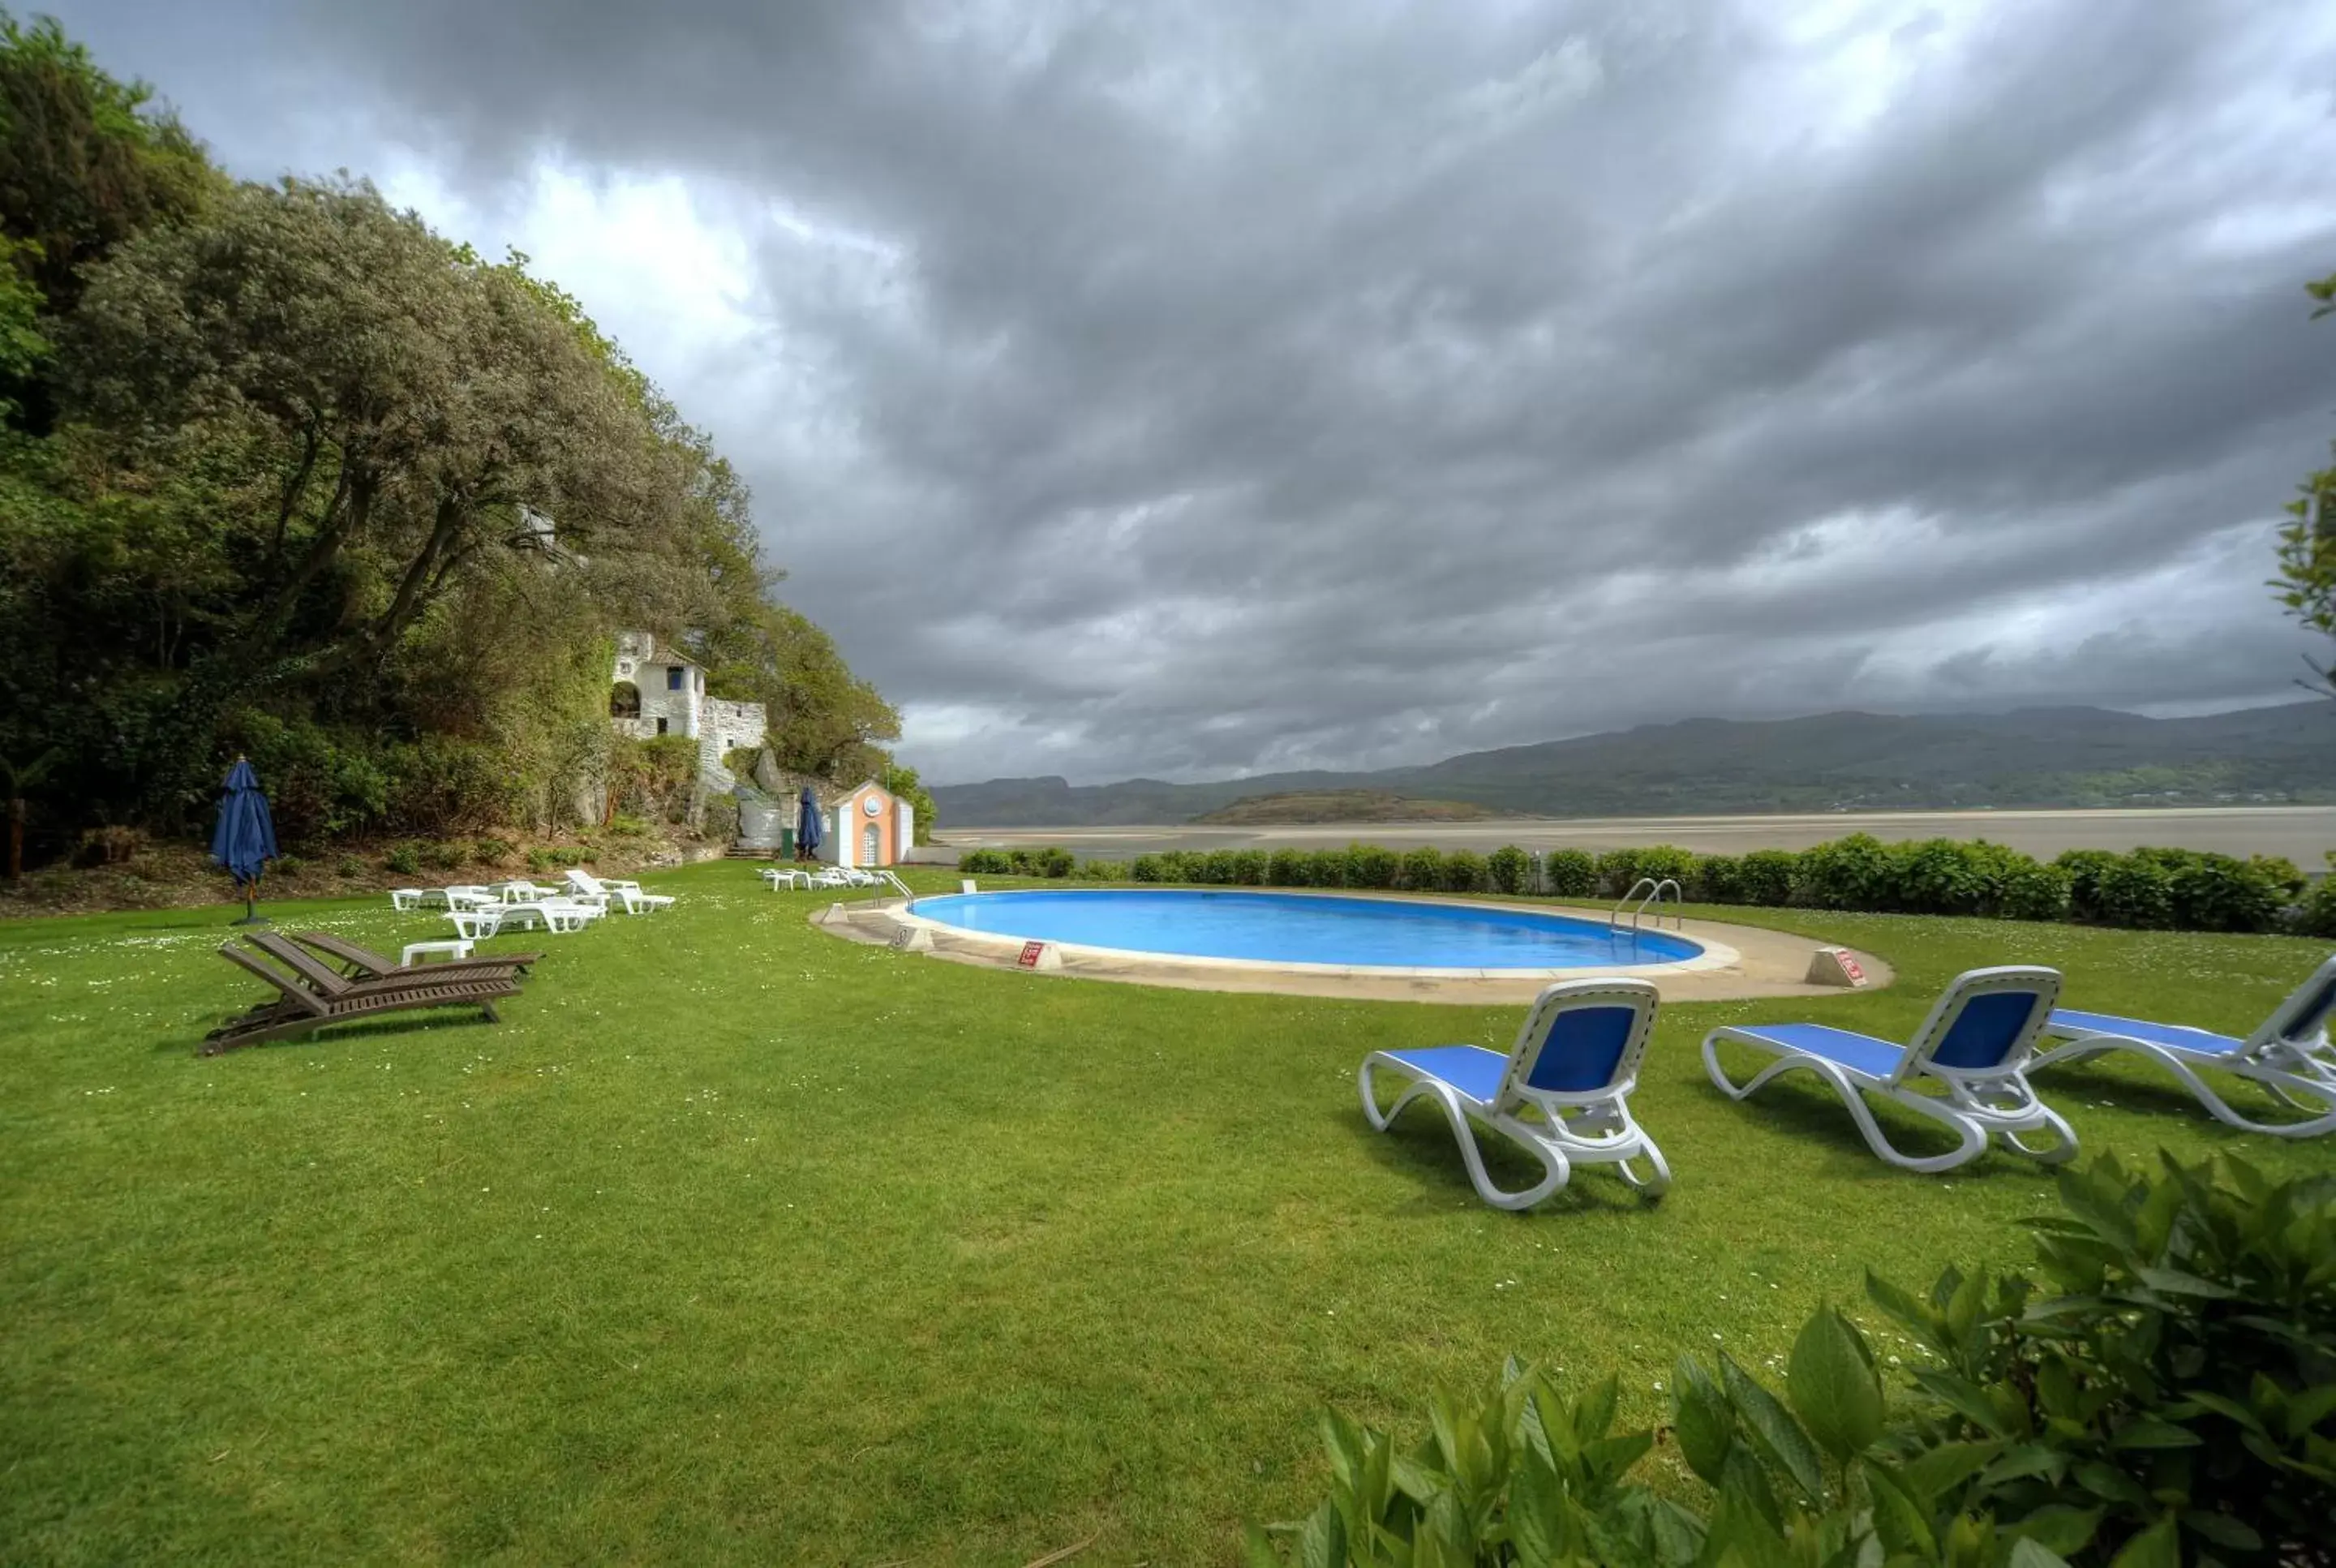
(307, 1002)
(365, 964)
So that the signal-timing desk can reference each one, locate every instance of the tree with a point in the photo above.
(86, 161)
(2306, 583)
(15, 780)
(903, 782)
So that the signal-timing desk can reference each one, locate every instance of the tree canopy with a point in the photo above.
(2306, 583)
(273, 477)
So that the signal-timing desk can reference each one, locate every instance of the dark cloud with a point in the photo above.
(1224, 387)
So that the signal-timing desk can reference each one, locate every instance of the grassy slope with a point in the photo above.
(737, 1242)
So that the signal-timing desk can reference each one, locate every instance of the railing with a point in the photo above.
(905, 890)
(1652, 891)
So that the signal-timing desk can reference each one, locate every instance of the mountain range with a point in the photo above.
(2035, 758)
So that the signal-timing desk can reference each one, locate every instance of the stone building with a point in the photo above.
(657, 690)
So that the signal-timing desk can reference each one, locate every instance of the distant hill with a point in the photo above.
(1341, 806)
(2036, 757)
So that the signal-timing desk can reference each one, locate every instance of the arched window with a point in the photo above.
(625, 700)
(871, 846)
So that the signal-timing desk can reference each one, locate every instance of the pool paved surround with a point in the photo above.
(1738, 961)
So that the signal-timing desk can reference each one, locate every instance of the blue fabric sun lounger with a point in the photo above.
(1561, 1092)
(2288, 1055)
(1974, 1045)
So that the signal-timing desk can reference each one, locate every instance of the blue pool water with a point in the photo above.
(1282, 928)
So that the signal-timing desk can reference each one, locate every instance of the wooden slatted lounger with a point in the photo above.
(307, 1002)
(365, 964)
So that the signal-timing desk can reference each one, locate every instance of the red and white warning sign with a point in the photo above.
(1031, 953)
(1835, 967)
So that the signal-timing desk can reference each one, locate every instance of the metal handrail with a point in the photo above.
(1653, 890)
(1614, 919)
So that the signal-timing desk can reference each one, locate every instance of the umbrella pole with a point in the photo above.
(252, 917)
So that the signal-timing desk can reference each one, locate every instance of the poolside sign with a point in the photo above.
(1835, 967)
(1031, 953)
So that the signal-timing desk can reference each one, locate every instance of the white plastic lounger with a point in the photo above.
(776, 877)
(1575, 1062)
(588, 887)
(1975, 1043)
(2290, 1054)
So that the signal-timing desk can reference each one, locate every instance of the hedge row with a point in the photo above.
(2148, 889)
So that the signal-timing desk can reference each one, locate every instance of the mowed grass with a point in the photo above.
(738, 1242)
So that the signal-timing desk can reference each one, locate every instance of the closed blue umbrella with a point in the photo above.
(807, 825)
(245, 840)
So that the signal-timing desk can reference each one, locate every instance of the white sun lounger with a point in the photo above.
(1975, 1045)
(1571, 1072)
(777, 877)
(2289, 1054)
(462, 896)
(586, 888)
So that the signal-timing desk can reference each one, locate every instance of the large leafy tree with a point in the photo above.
(2306, 583)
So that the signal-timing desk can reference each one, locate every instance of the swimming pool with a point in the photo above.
(1309, 931)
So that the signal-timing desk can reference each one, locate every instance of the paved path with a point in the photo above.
(2303, 833)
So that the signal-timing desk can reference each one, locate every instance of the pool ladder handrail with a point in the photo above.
(1653, 890)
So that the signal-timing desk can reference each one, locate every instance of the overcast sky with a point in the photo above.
(1222, 386)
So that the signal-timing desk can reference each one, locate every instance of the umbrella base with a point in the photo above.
(252, 921)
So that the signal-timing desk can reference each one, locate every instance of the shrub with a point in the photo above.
(2174, 1372)
(1182, 865)
(404, 859)
(440, 856)
(1328, 869)
(443, 783)
(1940, 877)
(1250, 868)
(720, 822)
(287, 865)
(493, 852)
(111, 845)
(1101, 871)
(2216, 893)
(1765, 877)
(568, 855)
(1287, 869)
(1463, 871)
(980, 863)
(1146, 869)
(1372, 866)
(1423, 869)
(2031, 891)
(1570, 873)
(539, 861)
(2084, 869)
(1216, 868)
(350, 867)
(2137, 891)
(1057, 861)
(1508, 867)
(2315, 915)
(1716, 879)
(1620, 869)
(2164, 1397)
(1851, 874)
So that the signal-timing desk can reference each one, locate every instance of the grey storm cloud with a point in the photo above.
(1194, 389)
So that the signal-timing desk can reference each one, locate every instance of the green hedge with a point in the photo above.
(2149, 888)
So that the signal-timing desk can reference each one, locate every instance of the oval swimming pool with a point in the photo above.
(1307, 929)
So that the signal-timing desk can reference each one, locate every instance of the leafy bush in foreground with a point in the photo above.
(2167, 1393)
(1508, 867)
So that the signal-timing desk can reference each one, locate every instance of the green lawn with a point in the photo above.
(735, 1242)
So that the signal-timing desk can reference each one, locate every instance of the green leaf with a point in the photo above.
(2174, 1282)
(2149, 1432)
(1256, 1548)
(2224, 1531)
(1901, 1516)
(2159, 1547)
(2027, 1552)
(2063, 1529)
(1323, 1543)
(1938, 1471)
(1902, 1306)
(1773, 1431)
(1700, 1420)
(1834, 1387)
(2027, 1459)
